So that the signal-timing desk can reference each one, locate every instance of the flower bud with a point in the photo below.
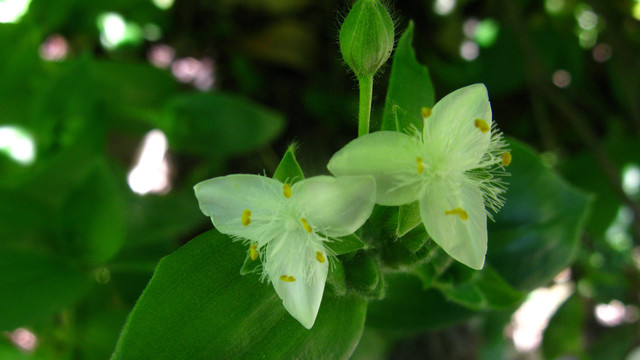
(367, 37)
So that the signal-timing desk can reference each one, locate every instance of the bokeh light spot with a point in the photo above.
(151, 172)
(561, 78)
(54, 48)
(444, 7)
(12, 10)
(469, 50)
(18, 144)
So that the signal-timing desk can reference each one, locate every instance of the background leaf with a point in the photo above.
(410, 86)
(536, 233)
(36, 286)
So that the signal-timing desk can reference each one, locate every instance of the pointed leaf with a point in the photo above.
(345, 244)
(410, 87)
(198, 306)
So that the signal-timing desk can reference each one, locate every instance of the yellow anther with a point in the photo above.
(320, 257)
(305, 225)
(458, 211)
(482, 125)
(506, 158)
(420, 168)
(286, 190)
(246, 217)
(287, 278)
(425, 112)
(253, 252)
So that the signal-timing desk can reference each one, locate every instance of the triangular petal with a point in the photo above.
(298, 273)
(454, 215)
(390, 157)
(459, 127)
(336, 206)
(240, 205)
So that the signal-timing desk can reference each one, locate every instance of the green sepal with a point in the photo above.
(403, 118)
(345, 244)
(415, 239)
(408, 218)
(250, 266)
(410, 87)
(289, 171)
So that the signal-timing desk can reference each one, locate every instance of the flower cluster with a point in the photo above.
(453, 168)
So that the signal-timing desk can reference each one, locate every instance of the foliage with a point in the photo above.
(95, 270)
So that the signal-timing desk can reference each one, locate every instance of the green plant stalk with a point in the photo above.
(364, 113)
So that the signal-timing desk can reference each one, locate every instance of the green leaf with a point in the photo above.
(198, 306)
(345, 244)
(536, 233)
(408, 218)
(563, 336)
(289, 171)
(93, 218)
(410, 87)
(408, 307)
(219, 125)
(485, 290)
(35, 286)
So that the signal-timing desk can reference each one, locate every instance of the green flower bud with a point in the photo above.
(366, 37)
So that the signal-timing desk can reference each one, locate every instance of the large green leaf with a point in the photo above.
(410, 87)
(198, 306)
(219, 124)
(536, 233)
(34, 286)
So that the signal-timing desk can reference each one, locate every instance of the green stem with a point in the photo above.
(364, 114)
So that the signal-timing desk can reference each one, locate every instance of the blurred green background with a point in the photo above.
(111, 111)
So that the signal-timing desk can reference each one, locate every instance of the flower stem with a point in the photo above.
(364, 114)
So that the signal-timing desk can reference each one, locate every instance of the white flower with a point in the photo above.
(287, 225)
(452, 169)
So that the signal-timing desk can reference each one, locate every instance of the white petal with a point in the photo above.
(336, 206)
(451, 130)
(301, 290)
(463, 239)
(226, 198)
(390, 157)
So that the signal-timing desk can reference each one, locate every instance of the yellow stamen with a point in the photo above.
(246, 217)
(320, 257)
(286, 190)
(506, 158)
(253, 252)
(287, 278)
(425, 112)
(420, 168)
(305, 225)
(458, 211)
(482, 125)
